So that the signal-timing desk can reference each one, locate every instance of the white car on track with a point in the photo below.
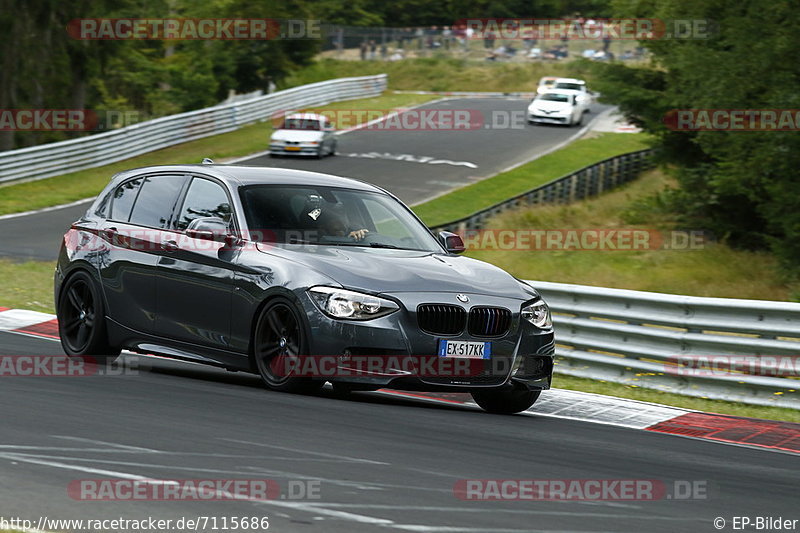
(546, 83)
(556, 107)
(576, 87)
(304, 134)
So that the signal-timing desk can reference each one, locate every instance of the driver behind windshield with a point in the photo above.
(331, 225)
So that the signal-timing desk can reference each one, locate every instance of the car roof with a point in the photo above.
(306, 116)
(570, 80)
(236, 176)
(562, 92)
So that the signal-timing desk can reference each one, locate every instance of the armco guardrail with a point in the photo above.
(53, 159)
(588, 181)
(682, 344)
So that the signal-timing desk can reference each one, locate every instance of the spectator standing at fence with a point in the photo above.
(447, 36)
(373, 49)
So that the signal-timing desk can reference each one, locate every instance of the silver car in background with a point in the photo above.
(306, 134)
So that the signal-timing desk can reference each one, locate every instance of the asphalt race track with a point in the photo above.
(380, 462)
(414, 165)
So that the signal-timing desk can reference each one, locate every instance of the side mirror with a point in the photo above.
(452, 242)
(209, 229)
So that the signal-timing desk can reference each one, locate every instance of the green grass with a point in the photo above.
(562, 381)
(27, 285)
(250, 139)
(583, 152)
(443, 74)
(713, 270)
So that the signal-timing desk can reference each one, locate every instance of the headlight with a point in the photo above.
(312, 142)
(538, 314)
(350, 305)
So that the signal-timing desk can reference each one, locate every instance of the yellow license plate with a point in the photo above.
(292, 148)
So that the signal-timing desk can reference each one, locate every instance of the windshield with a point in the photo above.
(308, 124)
(554, 97)
(333, 217)
(570, 86)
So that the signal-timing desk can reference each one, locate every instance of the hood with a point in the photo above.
(396, 271)
(550, 105)
(302, 136)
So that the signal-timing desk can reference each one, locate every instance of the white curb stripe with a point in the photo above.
(20, 318)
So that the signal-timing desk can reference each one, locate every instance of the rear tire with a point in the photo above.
(280, 336)
(82, 322)
(505, 402)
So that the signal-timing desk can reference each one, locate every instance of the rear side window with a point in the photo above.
(204, 198)
(156, 201)
(103, 206)
(124, 196)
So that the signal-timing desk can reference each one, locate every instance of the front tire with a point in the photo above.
(505, 402)
(81, 320)
(278, 340)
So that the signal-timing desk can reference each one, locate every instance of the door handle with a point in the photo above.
(169, 246)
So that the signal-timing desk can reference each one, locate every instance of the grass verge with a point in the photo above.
(606, 388)
(444, 74)
(27, 285)
(713, 269)
(250, 139)
(583, 152)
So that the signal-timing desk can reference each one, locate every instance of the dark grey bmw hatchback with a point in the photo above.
(300, 277)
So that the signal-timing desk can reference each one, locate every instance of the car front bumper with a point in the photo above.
(548, 119)
(407, 358)
(281, 149)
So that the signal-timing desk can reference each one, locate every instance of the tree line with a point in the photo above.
(744, 186)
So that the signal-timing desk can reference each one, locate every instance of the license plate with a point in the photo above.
(465, 349)
(292, 148)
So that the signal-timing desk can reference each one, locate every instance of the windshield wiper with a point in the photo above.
(384, 245)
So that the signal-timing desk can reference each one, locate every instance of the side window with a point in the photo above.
(102, 207)
(386, 223)
(156, 200)
(204, 198)
(124, 196)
